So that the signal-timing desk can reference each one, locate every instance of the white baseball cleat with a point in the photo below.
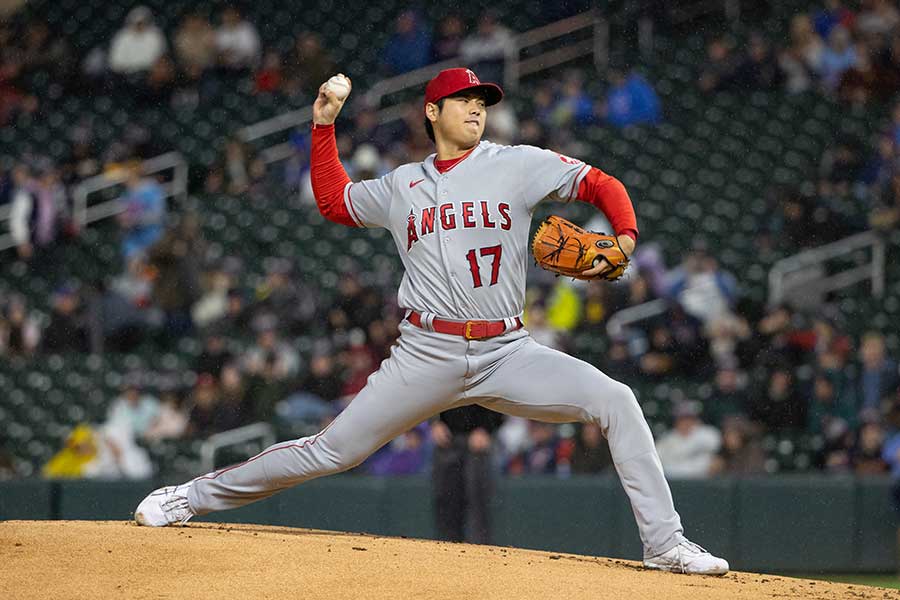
(165, 506)
(687, 557)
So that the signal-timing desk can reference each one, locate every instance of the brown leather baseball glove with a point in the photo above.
(567, 249)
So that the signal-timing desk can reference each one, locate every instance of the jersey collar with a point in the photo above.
(430, 169)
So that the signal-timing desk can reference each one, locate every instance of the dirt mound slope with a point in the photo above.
(116, 559)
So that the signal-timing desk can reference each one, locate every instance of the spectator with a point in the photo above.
(138, 45)
(117, 324)
(729, 398)
(574, 107)
(38, 211)
(66, 331)
(359, 361)
(409, 47)
(878, 378)
(171, 422)
(462, 478)
(837, 58)
(718, 72)
(70, 462)
(802, 60)
(280, 296)
(886, 214)
(631, 100)
(106, 453)
(741, 452)
(866, 81)
(702, 288)
(271, 351)
(176, 259)
(309, 66)
(214, 357)
(358, 304)
(195, 45)
(541, 331)
(236, 322)
(486, 50)
(41, 51)
(204, 418)
(323, 379)
(159, 85)
(213, 305)
(22, 207)
(834, 456)
(591, 453)
(866, 455)
(728, 337)
(133, 411)
(541, 457)
(448, 40)
(237, 42)
(404, 455)
(876, 19)
(827, 405)
(20, 332)
(688, 450)
(144, 213)
(833, 15)
(268, 78)
(778, 405)
(759, 69)
(890, 453)
(234, 410)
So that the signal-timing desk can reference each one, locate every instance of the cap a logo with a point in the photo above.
(567, 160)
(472, 77)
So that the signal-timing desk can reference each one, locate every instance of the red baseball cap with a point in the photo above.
(451, 81)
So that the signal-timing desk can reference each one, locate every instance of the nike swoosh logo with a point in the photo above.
(413, 184)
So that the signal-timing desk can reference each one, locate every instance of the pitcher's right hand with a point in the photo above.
(327, 106)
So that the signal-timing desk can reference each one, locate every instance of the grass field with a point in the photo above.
(885, 581)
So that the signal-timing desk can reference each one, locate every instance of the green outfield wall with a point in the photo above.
(784, 523)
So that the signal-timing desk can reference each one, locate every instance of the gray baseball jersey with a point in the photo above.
(463, 238)
(463, 235)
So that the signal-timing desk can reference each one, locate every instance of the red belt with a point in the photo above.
(471, 330)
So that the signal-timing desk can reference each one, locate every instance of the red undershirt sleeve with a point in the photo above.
(609, 195)
(329, 179)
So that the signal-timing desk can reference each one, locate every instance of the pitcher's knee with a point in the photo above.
(338, 459)
(614, 402)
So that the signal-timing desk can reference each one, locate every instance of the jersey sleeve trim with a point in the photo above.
(576, 182)
(349, 204)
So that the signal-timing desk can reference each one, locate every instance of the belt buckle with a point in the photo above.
(480, 331)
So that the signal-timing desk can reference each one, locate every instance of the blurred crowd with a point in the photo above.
(737, 379)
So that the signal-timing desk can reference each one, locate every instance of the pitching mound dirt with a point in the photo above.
(113, 559)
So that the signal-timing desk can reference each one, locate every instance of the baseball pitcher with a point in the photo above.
(460, 220)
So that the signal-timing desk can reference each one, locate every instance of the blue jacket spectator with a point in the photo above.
(144, 216)
(410, 46)
(631, 100)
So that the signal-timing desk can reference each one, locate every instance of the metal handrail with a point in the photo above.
(514, 69)
(814, 258)
(639, 312)
(177, 187)
(214, 443)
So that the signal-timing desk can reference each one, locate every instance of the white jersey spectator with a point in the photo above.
(138, 45)
(490, 42)
(688, 450)
(237, 41)
(133, 411)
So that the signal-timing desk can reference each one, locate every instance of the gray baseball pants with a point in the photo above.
(430, 372)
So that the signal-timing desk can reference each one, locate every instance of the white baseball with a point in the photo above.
(339, 85)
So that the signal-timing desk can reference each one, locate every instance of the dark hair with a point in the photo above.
(429, 128)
